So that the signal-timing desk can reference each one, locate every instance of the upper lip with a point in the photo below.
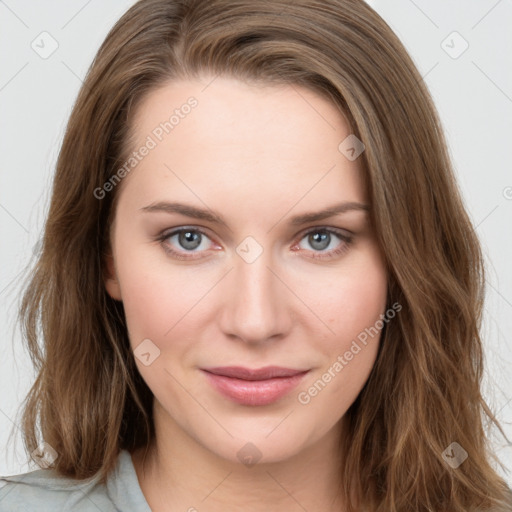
(268, 372)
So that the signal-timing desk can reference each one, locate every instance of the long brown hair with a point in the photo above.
(89, 401)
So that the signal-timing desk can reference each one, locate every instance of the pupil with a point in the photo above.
(320, 240)
(189, 239)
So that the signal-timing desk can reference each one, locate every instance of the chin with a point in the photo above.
(254, 445)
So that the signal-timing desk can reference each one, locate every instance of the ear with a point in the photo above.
(110, 279)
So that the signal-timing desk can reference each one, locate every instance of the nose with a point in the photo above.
(256, 305)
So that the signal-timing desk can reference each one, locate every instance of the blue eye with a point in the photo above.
(186, 239)
(189, 243)
(189, 240)
(320, 239)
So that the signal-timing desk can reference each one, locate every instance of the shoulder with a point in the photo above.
(43, 490)
(46, 491)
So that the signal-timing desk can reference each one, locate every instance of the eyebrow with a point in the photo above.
(297, 220)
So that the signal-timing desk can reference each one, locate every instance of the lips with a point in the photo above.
(239, 372)
(247, 386)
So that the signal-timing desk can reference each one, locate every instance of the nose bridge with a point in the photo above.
(254, 308)
(254, 281)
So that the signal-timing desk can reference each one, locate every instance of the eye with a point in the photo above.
(325, 242)
(189, 243)
(185, 240)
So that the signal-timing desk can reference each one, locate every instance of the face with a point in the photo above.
(246, 302)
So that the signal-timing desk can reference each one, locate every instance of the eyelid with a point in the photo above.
(174, 231)
(344, 235)
(346, 239)
(329, 229)
(181, 255)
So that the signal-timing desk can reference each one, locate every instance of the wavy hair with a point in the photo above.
(424, 392)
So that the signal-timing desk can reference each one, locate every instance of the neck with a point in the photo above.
(178, 473)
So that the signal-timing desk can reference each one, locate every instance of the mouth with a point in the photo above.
(254, 387)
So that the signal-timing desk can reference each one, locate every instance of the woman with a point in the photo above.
(258, 286)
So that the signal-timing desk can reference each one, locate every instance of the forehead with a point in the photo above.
(228, 110)
(220, 135)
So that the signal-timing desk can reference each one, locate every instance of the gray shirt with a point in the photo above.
(45, 491)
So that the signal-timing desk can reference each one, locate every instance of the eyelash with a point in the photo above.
(346, 242)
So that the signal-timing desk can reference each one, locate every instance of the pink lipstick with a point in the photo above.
(247, 386)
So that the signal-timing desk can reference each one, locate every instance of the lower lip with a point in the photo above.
(254, 392)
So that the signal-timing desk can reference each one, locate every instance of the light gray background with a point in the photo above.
(473, 93)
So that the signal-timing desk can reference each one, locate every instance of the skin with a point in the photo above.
(256, 156)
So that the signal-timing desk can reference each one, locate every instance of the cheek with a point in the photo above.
(156, 296)
(353, 311)
(351, 302)
(157, 300)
